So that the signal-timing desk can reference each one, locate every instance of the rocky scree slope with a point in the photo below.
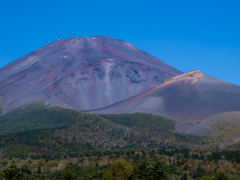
(81, 73)
(189, 97)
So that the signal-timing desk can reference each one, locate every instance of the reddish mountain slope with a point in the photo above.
(193, 97)
(83, 73)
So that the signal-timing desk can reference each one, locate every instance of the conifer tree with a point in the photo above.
(68, 175)
(11, 173)
(184, 176)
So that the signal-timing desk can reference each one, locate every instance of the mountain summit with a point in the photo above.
(81, 73)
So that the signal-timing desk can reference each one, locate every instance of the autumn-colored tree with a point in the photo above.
(119, 171)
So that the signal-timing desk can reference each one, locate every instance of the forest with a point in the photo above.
(39, 142)
(134, 164)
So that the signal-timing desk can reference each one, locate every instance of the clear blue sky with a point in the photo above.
(186, 34)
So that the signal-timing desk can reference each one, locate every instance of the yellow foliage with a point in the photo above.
(119, 171)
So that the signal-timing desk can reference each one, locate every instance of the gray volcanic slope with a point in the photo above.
(226, 118)
(193, 96)
(82, 73)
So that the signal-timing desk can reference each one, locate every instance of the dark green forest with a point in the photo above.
(39, 141)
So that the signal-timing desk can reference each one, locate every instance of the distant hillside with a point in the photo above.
(223, 128)
(40, 128)
(39, 116)
(226, 118)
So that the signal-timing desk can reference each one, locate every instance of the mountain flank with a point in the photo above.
(81, 73)
(189, 97)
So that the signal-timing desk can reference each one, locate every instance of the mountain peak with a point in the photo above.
(192, 75)
(92, 38)
(84, 73)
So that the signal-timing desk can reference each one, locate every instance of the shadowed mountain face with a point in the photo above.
(83, 73)
(192, 97)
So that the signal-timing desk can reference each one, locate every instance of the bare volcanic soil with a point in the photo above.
(190, 97)
(204, 127)
(82, 73)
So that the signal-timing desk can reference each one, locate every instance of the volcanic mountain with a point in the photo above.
(81, 73)
(192, 96)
